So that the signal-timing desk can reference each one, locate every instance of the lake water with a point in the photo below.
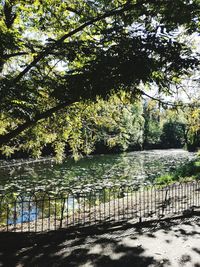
(131, 167)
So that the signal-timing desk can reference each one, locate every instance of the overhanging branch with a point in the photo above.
(49, 48)
(167, 103)
(48, 113)
(22, 127)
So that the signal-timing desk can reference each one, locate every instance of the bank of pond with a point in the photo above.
(186, 172)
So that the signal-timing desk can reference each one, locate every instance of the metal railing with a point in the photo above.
(42, 211)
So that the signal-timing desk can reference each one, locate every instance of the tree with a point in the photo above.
(152, 125)
(173, 135)
(193, 128)
(56, 53)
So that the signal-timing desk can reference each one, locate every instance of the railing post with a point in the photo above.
(62, 210)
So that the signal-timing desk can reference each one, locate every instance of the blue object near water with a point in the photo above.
(25, 215)
(26, 211)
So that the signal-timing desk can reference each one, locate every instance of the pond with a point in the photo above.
(138, 167)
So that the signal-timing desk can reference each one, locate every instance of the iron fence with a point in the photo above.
(42, 211)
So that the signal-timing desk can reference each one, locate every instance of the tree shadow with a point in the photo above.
(89, 246)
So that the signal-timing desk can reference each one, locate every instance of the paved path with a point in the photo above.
(168, 243)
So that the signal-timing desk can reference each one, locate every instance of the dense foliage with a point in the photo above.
(187, 172)
(172, 127)
(80, 127)
(114, 125)
(60, 61)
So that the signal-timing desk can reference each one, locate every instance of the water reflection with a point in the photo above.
(134, 167)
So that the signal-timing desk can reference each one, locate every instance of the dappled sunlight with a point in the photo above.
(151, 244)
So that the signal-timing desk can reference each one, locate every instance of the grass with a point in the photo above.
(187, 172)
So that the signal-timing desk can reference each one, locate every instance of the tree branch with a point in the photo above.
(7, 56)
(22, 127)
(46, 114)
(49, 48)
(167, 103)
(75, 11)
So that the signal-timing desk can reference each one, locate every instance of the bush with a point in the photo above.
(189, 171)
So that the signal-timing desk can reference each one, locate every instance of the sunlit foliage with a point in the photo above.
(60, 60)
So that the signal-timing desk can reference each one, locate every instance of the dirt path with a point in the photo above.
(174, 242)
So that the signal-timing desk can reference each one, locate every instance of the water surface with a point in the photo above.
(131, 167)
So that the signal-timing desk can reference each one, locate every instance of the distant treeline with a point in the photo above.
(159, 128)
(110, 126)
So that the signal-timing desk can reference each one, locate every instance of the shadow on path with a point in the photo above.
(121, 244)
